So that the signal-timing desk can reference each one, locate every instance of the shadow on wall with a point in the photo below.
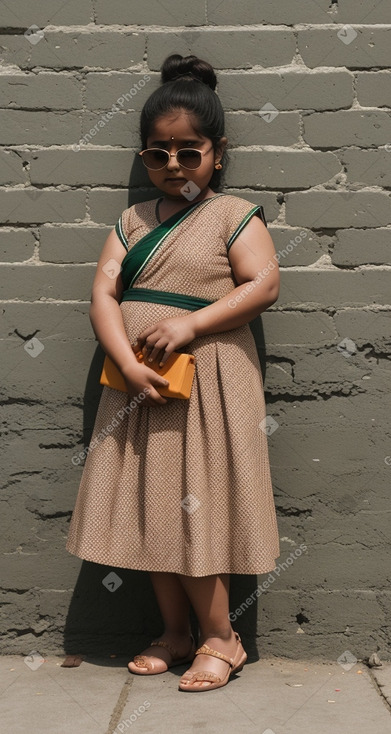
(123, 619)
(114, 610)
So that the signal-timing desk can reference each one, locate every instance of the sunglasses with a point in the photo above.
(156, 158)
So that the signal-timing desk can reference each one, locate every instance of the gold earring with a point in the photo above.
(218, 165)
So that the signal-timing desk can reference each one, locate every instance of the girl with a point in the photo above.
(181, 488)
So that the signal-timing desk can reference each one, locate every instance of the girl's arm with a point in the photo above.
(108, 325)
(105, 313)
(256, 270)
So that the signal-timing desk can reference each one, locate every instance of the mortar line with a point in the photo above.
(92, 26)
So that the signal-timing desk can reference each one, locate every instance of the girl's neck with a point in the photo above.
(166, 206)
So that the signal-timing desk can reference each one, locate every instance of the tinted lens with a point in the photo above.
(155, 158)
(189, 158)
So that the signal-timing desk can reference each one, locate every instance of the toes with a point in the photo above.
(134, 667)
(140, 665)
(197, 683)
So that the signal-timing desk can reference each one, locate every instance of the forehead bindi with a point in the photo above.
(178, 141)
(174, 131)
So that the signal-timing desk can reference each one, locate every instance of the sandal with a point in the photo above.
(235, 666)
(144, 661)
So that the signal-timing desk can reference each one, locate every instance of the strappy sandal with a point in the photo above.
(235, 666)
(144, 661)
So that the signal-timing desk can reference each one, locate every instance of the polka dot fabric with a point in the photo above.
(183, 487)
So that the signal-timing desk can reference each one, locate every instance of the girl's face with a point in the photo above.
(173, 177)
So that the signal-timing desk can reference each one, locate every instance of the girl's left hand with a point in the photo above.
(165, 337)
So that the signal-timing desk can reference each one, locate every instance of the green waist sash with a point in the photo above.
(190, 303)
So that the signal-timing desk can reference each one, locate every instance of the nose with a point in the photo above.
(172, 164)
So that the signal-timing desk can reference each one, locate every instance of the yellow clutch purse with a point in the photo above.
(178, 370)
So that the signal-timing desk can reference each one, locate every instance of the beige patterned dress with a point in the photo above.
(183, 487)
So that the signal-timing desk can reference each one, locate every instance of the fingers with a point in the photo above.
(154, 397)
(158, 351)
(152, 349)
(151, 380)
(152, 353)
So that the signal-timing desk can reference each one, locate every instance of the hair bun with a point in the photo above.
(176, 65)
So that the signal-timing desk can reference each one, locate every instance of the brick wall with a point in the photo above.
(306, 86)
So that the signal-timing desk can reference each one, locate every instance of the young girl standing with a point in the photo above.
(181, 488)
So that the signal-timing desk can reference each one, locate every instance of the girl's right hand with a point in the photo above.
(142, 379)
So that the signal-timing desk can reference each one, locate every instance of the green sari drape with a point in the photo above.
(138, 257)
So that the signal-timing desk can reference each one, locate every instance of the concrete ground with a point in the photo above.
(273, 696)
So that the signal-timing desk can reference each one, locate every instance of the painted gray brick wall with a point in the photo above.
(306, 87)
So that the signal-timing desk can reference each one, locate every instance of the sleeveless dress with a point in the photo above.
(183, 487)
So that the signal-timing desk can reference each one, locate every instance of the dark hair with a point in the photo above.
(193, 92)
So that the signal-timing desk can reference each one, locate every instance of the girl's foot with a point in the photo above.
(172, 650)
(211, 664)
